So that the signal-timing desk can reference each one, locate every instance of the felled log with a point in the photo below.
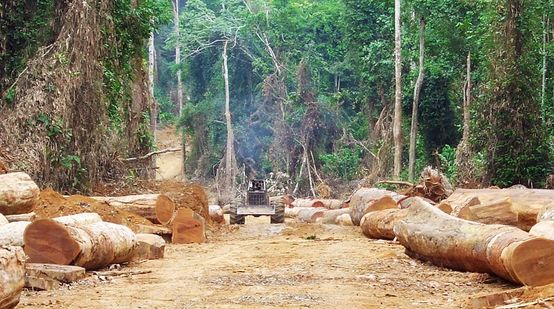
(380, 224)
(11, 234)
(216, 213)
(12, 276)
(543, 229)
(302, 202)
(286, 199)
(310, 215)
(165, 209)
(546, 213)
(23, 217)
(293, 212)
(386, 202)
(18, 193)
(495, 212)
(359, 201)
(90, 246)
(330, 216)
(149, 247)
(526, 203)
(187, 227)
(61, 273)
(143, 205)
(526, 297)
(344, 220)
(447, 241)
(329, 203)
(3, 220)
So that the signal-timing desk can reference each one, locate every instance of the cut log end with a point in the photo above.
(165, 208)
(48, 241)
(532, 261)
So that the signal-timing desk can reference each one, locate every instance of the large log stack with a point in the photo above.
(518, 207)
(18, 193)
(91, 246)
(515, 255)
(12, 276)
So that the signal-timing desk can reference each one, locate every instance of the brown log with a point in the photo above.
(310, 215)
(287, 199)
(153, 229)
(510, 253)
(149, 247)
(344, 220)
(12, 276)
(84, 218)
(386, 202)
(526, 203)
(359, 201)
(18, 193)
(61, 273)
(143, 205)
(90, 246)
(188, 227)
(302, 202)
(293, 212)
(23, 217)
(445, 207)
(330, 216)
(329, 203)
(380, 224)
(165, 209)
(496, 212)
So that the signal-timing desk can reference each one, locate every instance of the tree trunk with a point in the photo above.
(330, 217)
(360, 200)
(397, 128)
(91, 246)
(230, 163)
(546, 213)
(188, 227)
(386, 202)
(512, 254)
(12, 276)
(546, 22)
(344, 220)
(467, 100)
(149, 247)
(18, 193)
(544, 229)
(80, 219)
(415, 106)
(293, 212)
(143, 205)
(380, 224)
(151, 66)
(165, 209)
(178, 56)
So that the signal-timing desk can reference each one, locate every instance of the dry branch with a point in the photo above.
(153, 153)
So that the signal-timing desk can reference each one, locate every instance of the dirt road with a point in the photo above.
(263, 266)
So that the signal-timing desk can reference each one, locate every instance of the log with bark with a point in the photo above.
(143, 205)
(12, 276)
(293, 212)
(149, 247)
(380, 224)
(543, 229)
(23, 217)
(310, 215)
(18, 193)
(386, 202)
(526, 203)
(429, 234)
(11, 234)
(330, 216)
(90, 246)
(344, 220)
(546, 213)
(359, 201)
(187, 227)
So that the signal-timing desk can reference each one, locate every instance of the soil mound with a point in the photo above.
(52, 204)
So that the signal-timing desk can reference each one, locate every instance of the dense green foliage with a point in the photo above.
(333, 109)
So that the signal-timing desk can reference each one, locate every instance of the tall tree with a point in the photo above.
(177, 30)
(415, 106)
(397, 127)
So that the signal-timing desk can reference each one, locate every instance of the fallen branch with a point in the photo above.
(114, 273)
(395, 182)
(153, 153)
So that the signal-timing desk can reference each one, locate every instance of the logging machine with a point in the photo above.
(257, 203)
